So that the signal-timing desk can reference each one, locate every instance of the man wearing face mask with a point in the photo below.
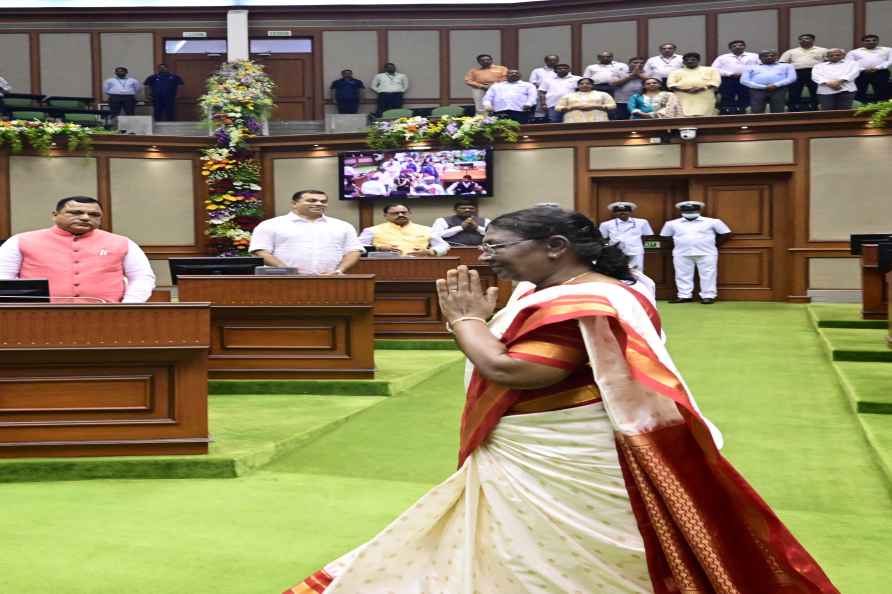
(695, 245)
(626, 231)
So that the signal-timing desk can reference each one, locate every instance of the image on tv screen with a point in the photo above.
(415, 174)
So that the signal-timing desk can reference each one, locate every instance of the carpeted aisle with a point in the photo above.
(756, 369)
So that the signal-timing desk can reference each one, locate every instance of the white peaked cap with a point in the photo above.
(684, 203)
(615, 205)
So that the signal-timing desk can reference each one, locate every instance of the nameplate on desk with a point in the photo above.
(275, 271)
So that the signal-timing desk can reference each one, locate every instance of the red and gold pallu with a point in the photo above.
(609, 482)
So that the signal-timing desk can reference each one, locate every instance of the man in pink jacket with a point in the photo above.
(82, 262)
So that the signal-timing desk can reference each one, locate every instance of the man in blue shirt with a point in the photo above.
(346, 92)
(768, 82)
(162, 88)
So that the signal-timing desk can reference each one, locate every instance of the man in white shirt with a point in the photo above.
(82, 262)
(625, 232)
(661, 65)
(606, 72)
(374, 185)
(5, 87)
(513, 99)
(390, 86)
(695, 245)
(306, 239)
(734, 96)
(543, 73)
(465, 227)
(874, 61)
(836, 80)
(121, 90)
(551, 91)
(803, 59)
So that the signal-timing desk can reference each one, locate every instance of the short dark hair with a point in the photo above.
(637, 58)
(387, 208)
(690, 55)
(390, 64)
(564, 65)
(662, 45)
(464, 203)
(483, 56)
(730, 43)
(79, 199)
(300, 194)
(801, 35)
(542, 222)
(870, 36)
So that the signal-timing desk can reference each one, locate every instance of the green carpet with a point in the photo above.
(842, 315)
(252, 423)
(757, 369)
(862, 344)
(868, 385)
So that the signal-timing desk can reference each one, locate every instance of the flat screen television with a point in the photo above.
(212, 266)
(35, 290)
(430, 173)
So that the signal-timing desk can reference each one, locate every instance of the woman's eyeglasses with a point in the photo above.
(491, 248)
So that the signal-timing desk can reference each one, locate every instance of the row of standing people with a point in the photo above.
(741, 78)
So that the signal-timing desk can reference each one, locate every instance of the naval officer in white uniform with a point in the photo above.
(626, 231)
(695, 245)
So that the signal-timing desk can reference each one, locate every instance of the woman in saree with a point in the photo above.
(585, 465)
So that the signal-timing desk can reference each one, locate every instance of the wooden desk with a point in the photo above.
(287, 327)
(874, 289)
(406, 304)
(103, 380)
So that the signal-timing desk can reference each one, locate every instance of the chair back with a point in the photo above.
(68, 103)
(392, 114)
(17, 102)
(18, 114)
(448, 110)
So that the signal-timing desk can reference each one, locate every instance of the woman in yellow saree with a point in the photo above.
(585, 466)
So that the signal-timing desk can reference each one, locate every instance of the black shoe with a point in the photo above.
(682, 300)
(707, 301)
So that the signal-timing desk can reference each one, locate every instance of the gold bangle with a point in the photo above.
(449, 325)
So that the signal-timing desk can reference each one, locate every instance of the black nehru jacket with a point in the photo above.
(464, 237)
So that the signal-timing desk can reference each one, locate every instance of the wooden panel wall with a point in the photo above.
(780, 208)
(449, 42)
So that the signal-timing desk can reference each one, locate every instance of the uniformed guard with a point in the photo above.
(695, 245)
(162, 88)
(626, 231)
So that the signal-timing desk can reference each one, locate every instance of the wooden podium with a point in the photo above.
(287, 327)
(874, 286)
(103, 380)
(406, 304)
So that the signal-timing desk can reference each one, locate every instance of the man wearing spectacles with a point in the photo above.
(400, 235)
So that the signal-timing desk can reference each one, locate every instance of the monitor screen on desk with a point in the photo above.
(210, 266)
(858, 240)
(25, 291)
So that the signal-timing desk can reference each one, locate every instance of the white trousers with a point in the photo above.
(478, 99)
(636, 261)
(707, 268)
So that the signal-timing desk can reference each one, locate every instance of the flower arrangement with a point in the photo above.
(881, 113)
(239, 97)
(41, 136)
(448, 130)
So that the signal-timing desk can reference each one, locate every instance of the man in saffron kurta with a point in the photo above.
(81, 261)
(399, 234)
(695, 86)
